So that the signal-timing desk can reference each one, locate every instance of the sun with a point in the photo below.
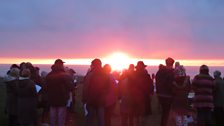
(118, 61)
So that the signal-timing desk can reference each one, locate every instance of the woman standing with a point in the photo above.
(27, 99)
(180, 106)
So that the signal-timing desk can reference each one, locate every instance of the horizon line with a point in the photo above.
(87, 61)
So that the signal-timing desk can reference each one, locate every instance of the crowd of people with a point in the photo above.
(184, 101)
(27, 90)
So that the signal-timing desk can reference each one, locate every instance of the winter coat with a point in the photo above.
(11, 97)
(58, 87)
(181, 88)
(96, 88)
(111, 95)
(203, 86)
(142, 93)
(219, 92)
(27, 101)
(164, 80)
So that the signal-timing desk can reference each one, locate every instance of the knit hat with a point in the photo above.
(180, 71)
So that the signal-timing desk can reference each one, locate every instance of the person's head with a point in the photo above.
(177, 64)
(14, 66)
(14, 72)
(30, 66)
(204, 69)
(217, 74)
(169, 62)
(37, 70)
(161, 67)
(43, 74)
(131, 67)
(25, 73)
(96, 63)
(180, 71)
(140, 65)
(58, 64)
(107, 68)
(22, 65)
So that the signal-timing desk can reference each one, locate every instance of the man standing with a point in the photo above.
(218, 98)
(203, 86)
(143, 92)
(164, 80)
(58, 86)
(96, 87)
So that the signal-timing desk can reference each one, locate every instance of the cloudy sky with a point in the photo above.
(183, 29)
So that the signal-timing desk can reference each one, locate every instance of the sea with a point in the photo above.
(82, 69)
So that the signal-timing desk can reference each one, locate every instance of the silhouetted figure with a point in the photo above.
(71, 101)
(27, 100)
(12, 66)
(180, 107)
(95, 90)
(203, 86)
(43, 99)
(58, 86)
(111, 95)
(126, 87)
(219, 98)
(11, 95)
(142, 93)
(164, 80)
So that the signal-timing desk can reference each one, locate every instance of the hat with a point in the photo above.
(58, 61)
(96, 62)
(140, 64)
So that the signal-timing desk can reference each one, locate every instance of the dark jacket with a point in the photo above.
(96, 87)
(126, 92)
(203, 86)
(11, 97)
(181, 88)
(143, 91)
(219, 92)
(27, 101)
(58, 86)
(164, 80)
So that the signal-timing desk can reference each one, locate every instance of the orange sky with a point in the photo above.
(87, 61)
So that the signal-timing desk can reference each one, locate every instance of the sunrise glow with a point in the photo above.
(117, 60)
